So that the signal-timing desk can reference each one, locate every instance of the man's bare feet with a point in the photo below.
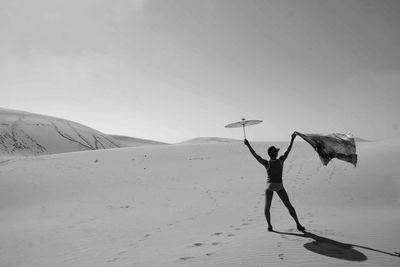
(300, 228)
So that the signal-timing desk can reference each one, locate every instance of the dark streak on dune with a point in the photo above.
(17, 139)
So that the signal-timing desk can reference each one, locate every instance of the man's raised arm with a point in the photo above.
(290, 147)
(258, 158)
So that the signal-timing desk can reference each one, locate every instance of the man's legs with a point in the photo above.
(285, 199)
(268, 199)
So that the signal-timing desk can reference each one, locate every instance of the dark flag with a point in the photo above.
(340, 146)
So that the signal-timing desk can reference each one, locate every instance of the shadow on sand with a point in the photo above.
(334, 249)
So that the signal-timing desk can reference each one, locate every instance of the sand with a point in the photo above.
(198, 204)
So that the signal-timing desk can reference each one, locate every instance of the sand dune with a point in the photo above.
(198, 205)
(134, 142)
(24, 133)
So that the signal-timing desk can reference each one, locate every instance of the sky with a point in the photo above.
(175, 70)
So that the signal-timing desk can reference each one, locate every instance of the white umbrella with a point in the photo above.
(243, 123)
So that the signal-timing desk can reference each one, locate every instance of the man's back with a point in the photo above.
(275, 170)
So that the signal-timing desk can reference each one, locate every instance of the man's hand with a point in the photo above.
(246, 142)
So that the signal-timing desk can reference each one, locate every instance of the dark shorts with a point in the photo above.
(274, 186)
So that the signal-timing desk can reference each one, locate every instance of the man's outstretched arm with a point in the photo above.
(258, 158)
(290, 147)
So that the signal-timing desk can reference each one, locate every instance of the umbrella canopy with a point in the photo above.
(243, 123)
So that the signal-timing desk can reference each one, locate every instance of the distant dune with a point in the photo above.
(210, 140)
(133, 142)
(24, 133)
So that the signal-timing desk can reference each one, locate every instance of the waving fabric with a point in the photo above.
(340, 146)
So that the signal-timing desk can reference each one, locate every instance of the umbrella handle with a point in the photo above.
(244, 128)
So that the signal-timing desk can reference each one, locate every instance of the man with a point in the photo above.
(274, 168)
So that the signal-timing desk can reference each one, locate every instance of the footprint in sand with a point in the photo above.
(114, 259)
(244, 224)
(215, 243)
(197, 244)
(238, 229)
(217, 233)
(278, 244)
(144, 237)
(133, 245)
(230, 235)
(281, 256)
(210, 254)
(185, 258)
